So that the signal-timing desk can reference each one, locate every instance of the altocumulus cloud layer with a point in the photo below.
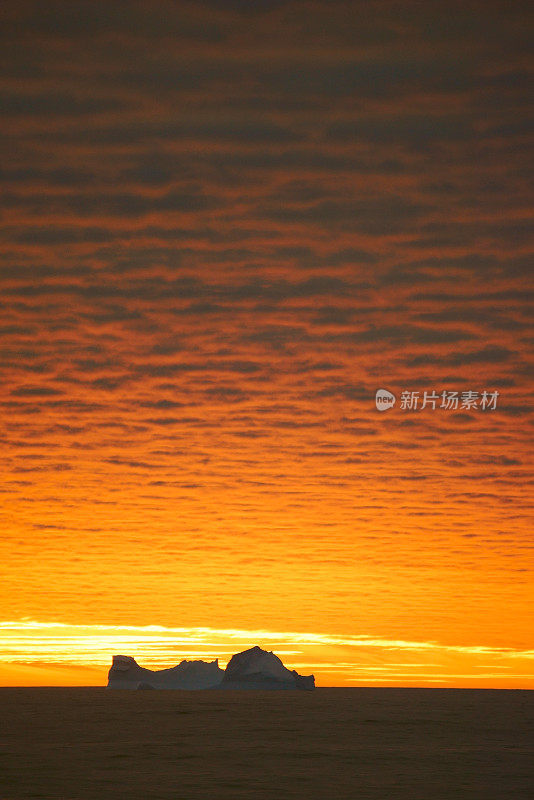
(224, 226)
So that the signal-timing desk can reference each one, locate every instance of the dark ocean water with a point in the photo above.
(418, 744)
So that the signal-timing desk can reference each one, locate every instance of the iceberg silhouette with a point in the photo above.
(252, 669)
(125, 673)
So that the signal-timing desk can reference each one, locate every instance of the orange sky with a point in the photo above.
(223, 229)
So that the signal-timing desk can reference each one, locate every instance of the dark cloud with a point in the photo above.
(164, 370)
(54, 235)
(411, 333)
(114, 205)
(149, 133)
(163, 404)
(414, 131)
(55, 104)
(371, 215)
(61, 177)
(277, 335)
(492, 354)
(188, 288)
(35, 391)
(82, 20)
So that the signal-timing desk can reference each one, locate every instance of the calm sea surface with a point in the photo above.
(418, 744)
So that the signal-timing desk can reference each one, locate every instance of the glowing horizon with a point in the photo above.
(50, 645)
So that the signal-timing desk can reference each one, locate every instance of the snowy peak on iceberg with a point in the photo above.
(252, 669)
(256, 662)
(260, 669)
(124, 664)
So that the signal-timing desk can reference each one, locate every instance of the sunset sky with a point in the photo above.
(224, 226)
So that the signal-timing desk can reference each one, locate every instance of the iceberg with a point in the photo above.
(259, 669)
(252, 669)
(125, 673)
